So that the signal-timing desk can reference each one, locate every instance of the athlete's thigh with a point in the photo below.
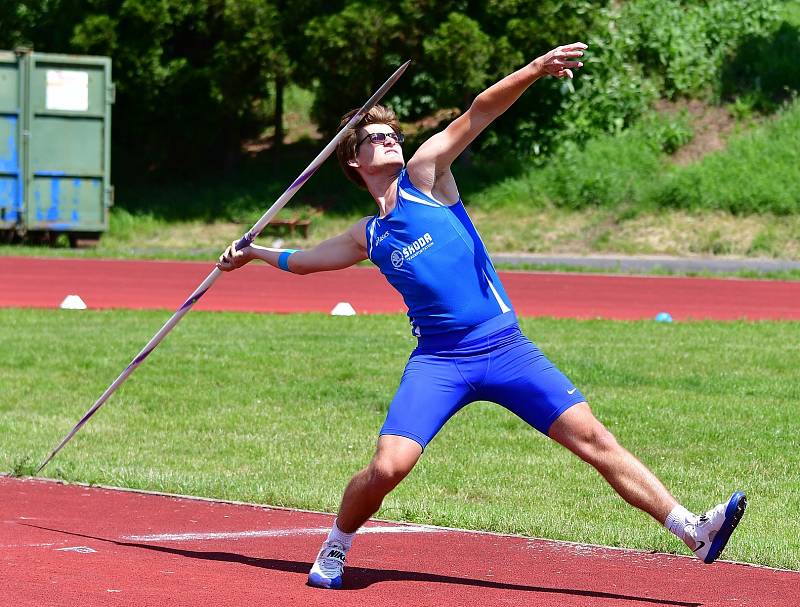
(430, 392)
(524, 381)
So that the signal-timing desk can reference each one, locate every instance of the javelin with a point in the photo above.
(243, 242)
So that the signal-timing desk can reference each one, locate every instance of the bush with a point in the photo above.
(614, 170)
(646, 49)
(609, 171)
(759, 172)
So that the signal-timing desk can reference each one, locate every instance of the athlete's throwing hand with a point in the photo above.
(562, 60)
(232, 259)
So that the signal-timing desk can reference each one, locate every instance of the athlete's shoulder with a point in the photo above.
(358, 231)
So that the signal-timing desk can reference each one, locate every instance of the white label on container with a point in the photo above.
(67, 90)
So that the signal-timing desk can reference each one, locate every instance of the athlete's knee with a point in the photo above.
(598, 443)
(394, 458)
(583, 434)
(385, 472)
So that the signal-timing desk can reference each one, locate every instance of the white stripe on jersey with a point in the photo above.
(503, 307)
(371, 237)
(413, 198)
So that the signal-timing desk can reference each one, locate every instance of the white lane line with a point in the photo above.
(236, 535)
(79, 549)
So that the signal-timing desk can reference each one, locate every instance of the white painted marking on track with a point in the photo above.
(80, 549)
(237, 535)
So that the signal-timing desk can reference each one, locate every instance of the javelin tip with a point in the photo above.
(44, 463)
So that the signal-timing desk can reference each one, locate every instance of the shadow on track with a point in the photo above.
(359, 578)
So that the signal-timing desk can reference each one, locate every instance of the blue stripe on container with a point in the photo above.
(55, 199)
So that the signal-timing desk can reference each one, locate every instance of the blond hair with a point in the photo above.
(346, 150)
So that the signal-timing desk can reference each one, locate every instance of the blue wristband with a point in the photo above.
(283, 260)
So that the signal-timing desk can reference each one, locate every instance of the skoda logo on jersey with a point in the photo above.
(418, 246)
(409, 252)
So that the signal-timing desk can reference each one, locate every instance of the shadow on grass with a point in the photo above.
(359, 578)
(764, 71)
(244, 193)
(241, 194)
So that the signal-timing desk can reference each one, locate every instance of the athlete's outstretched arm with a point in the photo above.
(435, 156)
(339, 252)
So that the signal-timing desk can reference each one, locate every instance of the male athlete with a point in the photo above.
(470, 347)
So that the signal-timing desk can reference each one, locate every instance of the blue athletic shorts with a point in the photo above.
(503, 367)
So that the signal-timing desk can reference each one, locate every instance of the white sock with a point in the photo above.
(676, 521)
(337, 535)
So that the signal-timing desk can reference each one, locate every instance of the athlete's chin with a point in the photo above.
(391, 164)
(395, 160)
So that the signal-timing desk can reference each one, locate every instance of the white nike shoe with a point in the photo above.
(329, 566)
(709, 532)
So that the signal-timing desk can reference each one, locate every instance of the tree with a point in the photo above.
(189, 75)
(458, 47)
(45, 25)
(352, 50)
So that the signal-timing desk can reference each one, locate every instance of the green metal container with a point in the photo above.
(55, 137)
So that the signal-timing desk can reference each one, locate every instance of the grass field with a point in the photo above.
(282, 410)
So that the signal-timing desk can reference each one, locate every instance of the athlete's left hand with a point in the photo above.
(561, 60)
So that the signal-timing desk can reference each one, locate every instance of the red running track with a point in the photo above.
(72, 545)
(43, 283)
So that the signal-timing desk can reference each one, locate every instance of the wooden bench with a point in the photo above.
(302, 225)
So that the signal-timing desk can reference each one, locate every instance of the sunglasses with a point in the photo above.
(380, 138)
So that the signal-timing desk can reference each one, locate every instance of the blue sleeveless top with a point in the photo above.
(431, 253)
